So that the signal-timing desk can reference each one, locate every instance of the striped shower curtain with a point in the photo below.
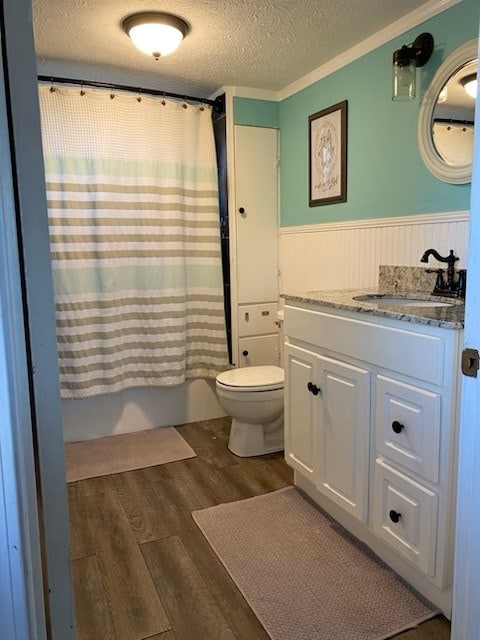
(135, 244)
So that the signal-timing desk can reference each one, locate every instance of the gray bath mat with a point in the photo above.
(114, 454)
(304, 576)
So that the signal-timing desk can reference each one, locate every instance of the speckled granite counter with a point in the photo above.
(448, 317)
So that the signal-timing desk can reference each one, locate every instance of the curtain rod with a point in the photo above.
(218, 104)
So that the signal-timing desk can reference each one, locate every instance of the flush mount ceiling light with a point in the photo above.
(469, 83)
(443, 95)
(405, 62)
(156, 34)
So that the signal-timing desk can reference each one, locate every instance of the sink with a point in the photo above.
(387, 300)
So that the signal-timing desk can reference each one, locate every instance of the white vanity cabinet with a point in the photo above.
(370, 429)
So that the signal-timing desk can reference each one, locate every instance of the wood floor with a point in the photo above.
(142, 569)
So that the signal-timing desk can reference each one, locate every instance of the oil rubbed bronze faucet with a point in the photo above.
(451, 287)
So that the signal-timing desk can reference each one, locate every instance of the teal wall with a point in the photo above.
(386, 175)
(260, 113)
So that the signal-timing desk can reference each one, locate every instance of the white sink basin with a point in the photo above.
(390, 301)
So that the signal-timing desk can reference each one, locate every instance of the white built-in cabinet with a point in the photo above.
(371, 411)
(254, 246)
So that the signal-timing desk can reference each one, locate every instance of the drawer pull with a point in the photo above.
(245, 353)
(313, 388)
(397, 426)
(394, 516)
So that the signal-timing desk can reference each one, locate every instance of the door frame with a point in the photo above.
(466, 591)
(34, 464)
(22, 613)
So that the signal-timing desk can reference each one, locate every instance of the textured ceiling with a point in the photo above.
(253, 43)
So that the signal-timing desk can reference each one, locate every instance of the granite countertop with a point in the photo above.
(448, 317)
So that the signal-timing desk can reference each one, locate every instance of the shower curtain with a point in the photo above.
(135, 245)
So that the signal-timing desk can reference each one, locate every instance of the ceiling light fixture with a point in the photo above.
(405, 62)
(443, 95)
(469, 83)
(156, 34)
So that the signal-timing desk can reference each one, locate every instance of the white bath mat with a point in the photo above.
(114, 454)
(304, 576)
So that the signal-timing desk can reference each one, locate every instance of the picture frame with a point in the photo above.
(327, 147)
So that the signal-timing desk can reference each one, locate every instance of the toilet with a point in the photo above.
(253, 396)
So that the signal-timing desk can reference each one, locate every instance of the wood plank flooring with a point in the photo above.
(142, 569)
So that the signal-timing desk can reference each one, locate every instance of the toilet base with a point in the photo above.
(247, 439)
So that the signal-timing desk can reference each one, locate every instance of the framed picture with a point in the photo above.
(327, 138)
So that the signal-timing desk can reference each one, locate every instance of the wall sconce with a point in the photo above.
(469, 83)
(405, 62)
(154, 33)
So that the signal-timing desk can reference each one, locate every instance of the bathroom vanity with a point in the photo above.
(371, 415)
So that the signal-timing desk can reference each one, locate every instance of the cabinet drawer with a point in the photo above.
(407, 351)
(413, 535)
(408, 426)
(255, 319)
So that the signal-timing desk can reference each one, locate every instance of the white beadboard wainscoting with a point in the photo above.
(347, 255)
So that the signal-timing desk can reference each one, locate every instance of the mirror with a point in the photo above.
(447, 116)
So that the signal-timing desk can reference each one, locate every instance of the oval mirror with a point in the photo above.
(447, 117)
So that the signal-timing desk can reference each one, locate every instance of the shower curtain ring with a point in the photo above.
(112, 95)
(82, 90)
(139, 99)
(52, 88)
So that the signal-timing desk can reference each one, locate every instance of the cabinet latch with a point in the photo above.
(470, 362)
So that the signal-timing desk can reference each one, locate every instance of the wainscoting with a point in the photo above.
(347, 254)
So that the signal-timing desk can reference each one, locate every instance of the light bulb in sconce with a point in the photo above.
(403, 75)
(469, 83)
(155, 34)
(405, 62)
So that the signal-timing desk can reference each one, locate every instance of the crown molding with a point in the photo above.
(397, 28)
(255, 94)
(371, 223)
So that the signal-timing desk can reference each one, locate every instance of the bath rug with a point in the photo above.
(114, 454)
(305, 576)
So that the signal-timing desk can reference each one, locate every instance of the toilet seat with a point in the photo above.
(261, 378)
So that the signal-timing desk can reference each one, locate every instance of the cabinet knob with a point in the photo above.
(313, 388)
(241, 210)
(394, 516)
(397, 426)
(245, 353)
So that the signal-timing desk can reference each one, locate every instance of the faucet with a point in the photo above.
(451, 287)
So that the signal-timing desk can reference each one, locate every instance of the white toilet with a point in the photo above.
(253, 396)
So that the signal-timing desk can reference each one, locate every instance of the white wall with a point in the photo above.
(347, 255)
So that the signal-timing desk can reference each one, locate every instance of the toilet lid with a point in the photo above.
(266, 377)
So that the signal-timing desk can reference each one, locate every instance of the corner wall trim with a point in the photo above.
(371, 223)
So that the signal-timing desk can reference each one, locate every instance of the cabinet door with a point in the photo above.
(256, 215)
(343, 435)
(260, 350)
(301, 410)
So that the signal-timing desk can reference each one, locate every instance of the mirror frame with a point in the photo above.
(433, 161)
